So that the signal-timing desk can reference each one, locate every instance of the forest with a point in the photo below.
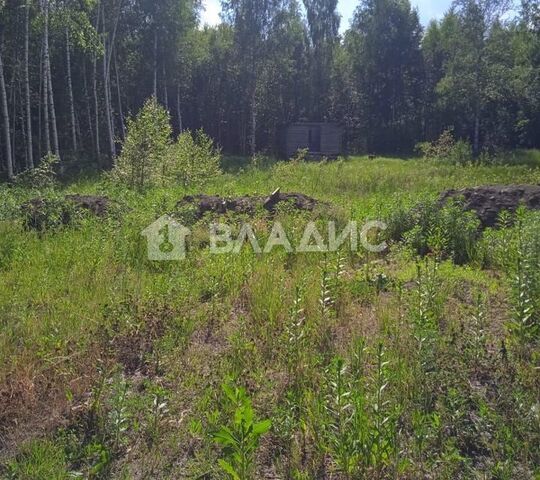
(72, 72)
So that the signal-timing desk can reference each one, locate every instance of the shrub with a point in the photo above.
(516, 250)
(143, 161)
(41, 177)
(428, 228)
(193, 159)
(301, 155)
(446, 148)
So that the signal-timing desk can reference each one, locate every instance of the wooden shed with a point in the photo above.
(320, 138)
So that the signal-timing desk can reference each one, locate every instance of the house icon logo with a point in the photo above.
(166, 239)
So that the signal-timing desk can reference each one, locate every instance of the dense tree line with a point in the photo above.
(73, 71)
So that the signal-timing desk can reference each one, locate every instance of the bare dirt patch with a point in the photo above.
(489, 201)
(42, 213)
(249, 205)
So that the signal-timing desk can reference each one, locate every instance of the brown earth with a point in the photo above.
(247, 204)
(41, 213)
(489, 201)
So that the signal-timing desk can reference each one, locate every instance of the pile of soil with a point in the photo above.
(96, 204)
(41, 213)
(489, 201)
(247, 204)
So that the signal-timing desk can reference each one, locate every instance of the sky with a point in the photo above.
(428, 9)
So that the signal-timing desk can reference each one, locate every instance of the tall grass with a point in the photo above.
(369, 366)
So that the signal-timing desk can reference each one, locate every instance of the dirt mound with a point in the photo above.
(246, 205)
(96, 204)
(489, 201)
(42, 213)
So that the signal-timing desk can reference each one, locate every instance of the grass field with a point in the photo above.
(366, 365)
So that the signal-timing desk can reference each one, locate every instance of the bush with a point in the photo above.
(193, 159)
(150, 158)
(143, 161)
(447, 148)
(428, 228)
(41, 177)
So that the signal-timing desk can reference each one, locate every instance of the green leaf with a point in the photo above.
(260, 428)
(227, 468)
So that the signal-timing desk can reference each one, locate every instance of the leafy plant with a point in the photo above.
(445, 231)
(241, 438)
(41, 177)
(143, 161)
(383, 430)
(347, 423)
(446, 148)
(525, 322)
(193, 159)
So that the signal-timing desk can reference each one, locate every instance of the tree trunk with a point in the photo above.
(49, 81)
(96, 108)
(70, 93)
(118, 92)
(5, 116)
(87, 102)
(165, 92)
(29, 141)
(108, 109)
(155, 61)
(476, 144)
(253, 130)
(46, 107)
(14, 119)
(107, 85)
(179, 110)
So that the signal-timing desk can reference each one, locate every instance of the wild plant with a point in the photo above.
(326, 299)
(241, 437)
(143, 161)
(525, 323)
(346, 422)
(157, 411)
(446, 232)
(296, 339)
(119, 416)
(424, 313)
(43, 177)
(478, 330)
(194, 159)
(359, 421)
(330, 284)
(95, 412)
(384, 430)
(425, 296)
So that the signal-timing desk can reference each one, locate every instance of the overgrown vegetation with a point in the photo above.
(150, 158)
(446, 148)
(74, 72)
(419, 361)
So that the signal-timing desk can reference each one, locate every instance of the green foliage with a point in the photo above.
(150, 158)
(143, 161)
(42, 177)
(193, 159)
(358, 420)
(241, 438)
(515, 248)
(450, 392)
(443, 231)
(526, 285)
(446, 148)
(38, 460)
